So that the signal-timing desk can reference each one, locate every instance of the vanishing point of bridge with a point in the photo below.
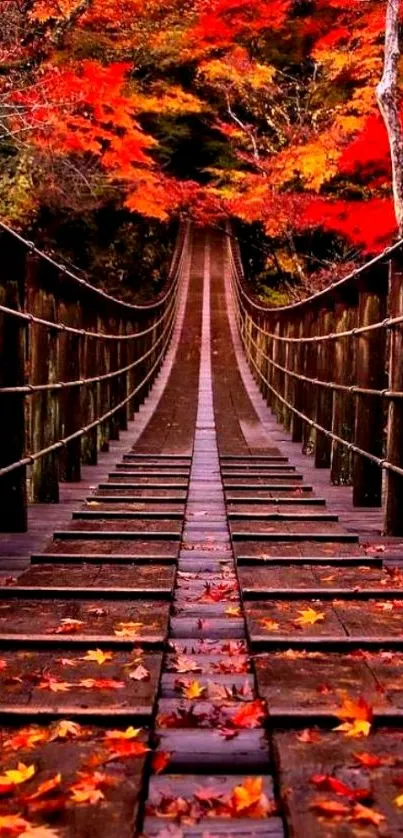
(177, 653)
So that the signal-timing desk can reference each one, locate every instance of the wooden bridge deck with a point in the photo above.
(205, 593)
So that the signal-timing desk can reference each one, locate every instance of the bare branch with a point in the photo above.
(389, 101)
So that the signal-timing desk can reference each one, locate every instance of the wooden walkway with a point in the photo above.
(175, 658)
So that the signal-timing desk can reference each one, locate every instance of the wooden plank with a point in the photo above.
(333, 755)
(202, 751)
(259, 501)
(116, 535)
(70, 758)
(94, 514)
(96, 619)
(104, 575)
(30, 678)
(339, 537)
(96, 558)
(282, 516)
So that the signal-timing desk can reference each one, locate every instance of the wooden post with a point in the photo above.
(89, 393)
(287, 380)
(103, 363)
(71, 398)
(310, 394)
(343, 420)
(123, 380)
(43, 362)
(393, 514)
(368, 435)
(114, 382)
(298, 366)
(324, 396)
(13, 486)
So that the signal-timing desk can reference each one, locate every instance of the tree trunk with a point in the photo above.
(388, 98)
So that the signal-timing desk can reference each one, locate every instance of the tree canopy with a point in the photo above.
(264, 111)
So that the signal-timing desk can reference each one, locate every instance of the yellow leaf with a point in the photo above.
(233, 611)
(129, 629)
(64, 729)
(269, 625)
(399, 800)
(97, 656)
(87, 795)
(18, 775)
(359, 727)
(308, 617)
(129, 733)
(193, 690)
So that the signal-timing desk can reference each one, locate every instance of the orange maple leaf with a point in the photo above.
(26, 738)
(45, 788)
(249, 714)
(13, 824)
(364, 814)
(356, 717)
(249, 799)
(330, 808)
(68, 626)
(101, 684)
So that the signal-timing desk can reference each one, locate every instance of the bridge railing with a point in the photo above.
(331, 370)
(75, 365)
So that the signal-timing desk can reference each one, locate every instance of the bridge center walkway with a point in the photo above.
(175, 661)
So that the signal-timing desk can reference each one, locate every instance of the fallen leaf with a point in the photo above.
(16, 776)
(249, 714)
(399, 800)
(55, 685)
(68, 626)
(68, 662)
(233, 611)
(3, 664)
(308, 617)
(328, 783)
(97, 656)
(12, 824)
(184, 664)
(45, 788)
(139, 674)
(356, 717)
(127, 748)
(358, 727)
(129, 733)
(39, 832)
(365, 815)
(26, 738)
(90, 796)
(101, 684)
(160, 761)
(372, 761)
(330, 808)
(192, 690)
(249, 795)
(269, 625)
(129, 629)
(309, 737)
(66, 729)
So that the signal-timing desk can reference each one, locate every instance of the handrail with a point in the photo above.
(83, 283)
(71, 373)
(327, 370)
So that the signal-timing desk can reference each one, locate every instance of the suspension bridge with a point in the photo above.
(201, 512)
